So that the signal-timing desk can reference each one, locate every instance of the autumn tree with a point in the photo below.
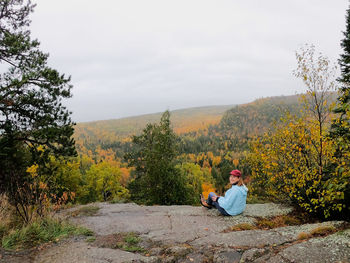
(32, 116)
(318, 75)
(102, 183)
(194, 178)
(291, 162)
(157, 180)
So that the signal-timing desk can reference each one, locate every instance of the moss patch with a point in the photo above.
(128, 241)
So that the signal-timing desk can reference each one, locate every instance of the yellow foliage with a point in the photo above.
(32, 170)
(291, 168)
(207, 188)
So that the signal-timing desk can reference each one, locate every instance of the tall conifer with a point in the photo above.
(341, 126)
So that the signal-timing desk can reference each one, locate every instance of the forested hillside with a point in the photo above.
(217, 129)
(211, 140)
(89, 135)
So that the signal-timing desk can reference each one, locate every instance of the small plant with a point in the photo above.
(323, 230)
(86, 211)
(90, 239)
(266, 223)
(132, 239)
(83, 231)
(129, 242)
(303, 235)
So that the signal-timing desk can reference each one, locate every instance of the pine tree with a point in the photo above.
(33, 121)
(340, 129)
(153, 156)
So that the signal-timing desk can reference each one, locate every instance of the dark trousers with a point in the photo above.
(216, 204)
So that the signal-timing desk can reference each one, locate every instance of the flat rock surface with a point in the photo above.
(81, 251)
(195, 234)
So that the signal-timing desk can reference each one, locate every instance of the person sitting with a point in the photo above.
(234, 201)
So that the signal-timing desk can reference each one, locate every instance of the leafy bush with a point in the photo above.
(102, 183)
(285, 166)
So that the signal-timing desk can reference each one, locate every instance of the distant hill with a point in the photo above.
(257, 117)
(214, 128)
(240, 124)
(183, 121)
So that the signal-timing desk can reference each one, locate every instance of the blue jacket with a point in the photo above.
(234, 201)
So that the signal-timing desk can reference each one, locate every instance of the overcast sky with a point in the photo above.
(131, 57)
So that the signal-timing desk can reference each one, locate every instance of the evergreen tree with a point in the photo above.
(33, 122)
(157, 180)
(340, 129)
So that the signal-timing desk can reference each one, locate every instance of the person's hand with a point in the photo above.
(214, 198)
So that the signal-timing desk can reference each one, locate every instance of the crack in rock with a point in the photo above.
(171, 222)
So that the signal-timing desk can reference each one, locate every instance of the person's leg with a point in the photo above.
(204, 203)
(220, 209)
(209, 200)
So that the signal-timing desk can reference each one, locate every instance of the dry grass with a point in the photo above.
(267, 223)
(7, 220)
(242, 227)
(303, 235)
(5, 209)
(323, 230)
(291, 221)
(264, 223)
(318, 231)
(277, 221)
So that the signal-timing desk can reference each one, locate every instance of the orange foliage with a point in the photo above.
(106, 155)
(207, 188)
(125, 175)
(216, 160)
